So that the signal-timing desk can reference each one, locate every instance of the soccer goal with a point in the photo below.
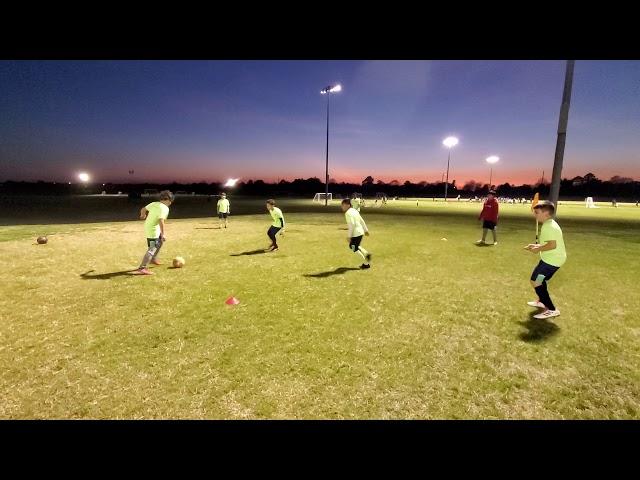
(588, 202)
(319, 197)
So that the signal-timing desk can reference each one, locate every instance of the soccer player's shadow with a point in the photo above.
(337, 271)
(105, 276)
(252, 252)
(538, 330)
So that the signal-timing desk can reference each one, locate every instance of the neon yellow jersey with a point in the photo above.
(157, 211)
(276, 214)
(356, 224)
(223, 205)
(550, 230)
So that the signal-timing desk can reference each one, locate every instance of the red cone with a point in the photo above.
(232, 301)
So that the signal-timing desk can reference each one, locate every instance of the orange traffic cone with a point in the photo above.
(232, 301)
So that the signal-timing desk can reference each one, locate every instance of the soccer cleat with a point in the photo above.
(364, 266)
(156, 262)
(480, 242)
(143, 271)
(536, 304)
(547, 314)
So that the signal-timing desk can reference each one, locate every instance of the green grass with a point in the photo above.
(436, 329)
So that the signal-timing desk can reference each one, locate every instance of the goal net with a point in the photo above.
(588, 202)
(319, 197)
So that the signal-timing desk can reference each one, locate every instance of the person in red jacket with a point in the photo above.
(489, 216)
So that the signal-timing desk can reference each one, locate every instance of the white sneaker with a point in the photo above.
(495, 243)
(479, 242)
(536, 304)
(547, 314)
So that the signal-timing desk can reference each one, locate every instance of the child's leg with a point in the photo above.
(539, 277)
(495, 235)
(543, 295)
(159, 244)
(354, 246)
(151, 251)
(272, 235)
(484, 234)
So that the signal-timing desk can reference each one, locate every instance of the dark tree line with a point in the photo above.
(620, 188)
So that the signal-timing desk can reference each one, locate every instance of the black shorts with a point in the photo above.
(542, 272)
(489, 225)
(273, 231)
(223, 215)
(355, 243)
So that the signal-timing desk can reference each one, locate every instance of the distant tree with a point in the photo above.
(368, 181)
(619, 179)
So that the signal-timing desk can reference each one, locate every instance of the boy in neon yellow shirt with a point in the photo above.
(224, 209)
(154, 215)
(552, 257)
(276, 226)
(357, 228)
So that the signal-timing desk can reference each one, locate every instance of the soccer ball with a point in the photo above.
(42, 240)
(178, 262)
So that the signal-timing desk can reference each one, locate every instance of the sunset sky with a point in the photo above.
(210, 120)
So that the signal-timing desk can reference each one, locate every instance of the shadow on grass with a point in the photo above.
(252, 252)
(537, 330)
(208, 228)
(337, 271)
(106, 276)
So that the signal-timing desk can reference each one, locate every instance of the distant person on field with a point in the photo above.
(489, 217)
(276, 226)
(357, 228)
(223, 209)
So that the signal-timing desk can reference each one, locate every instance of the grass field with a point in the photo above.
(435, 329)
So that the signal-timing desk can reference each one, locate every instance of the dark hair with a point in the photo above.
(166, 195)
(346, 201)
(492, 192)
(271, 201)
(545, 206)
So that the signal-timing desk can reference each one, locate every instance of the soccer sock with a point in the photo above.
(146, 259)
(495, 235)
(543, 295)
(364, 253)
(155, 254)
(484, 234)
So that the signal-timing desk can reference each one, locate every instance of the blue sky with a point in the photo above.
(209, 120)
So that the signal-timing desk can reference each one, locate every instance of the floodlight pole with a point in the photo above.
(554, 192)
(326, 177)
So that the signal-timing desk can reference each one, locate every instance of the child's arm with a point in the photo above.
(161, 223)
(143, 213)
(536, 247)
(364, 225)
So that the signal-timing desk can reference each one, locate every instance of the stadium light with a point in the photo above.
(491, 161)
(231, 182)
(326, 91)
(84, 177)
(448, 142)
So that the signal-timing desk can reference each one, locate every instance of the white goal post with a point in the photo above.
(319, 197)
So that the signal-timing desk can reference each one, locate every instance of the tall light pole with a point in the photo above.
(491, 161)
(327, 91)
(448, 142)
(554, 191)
